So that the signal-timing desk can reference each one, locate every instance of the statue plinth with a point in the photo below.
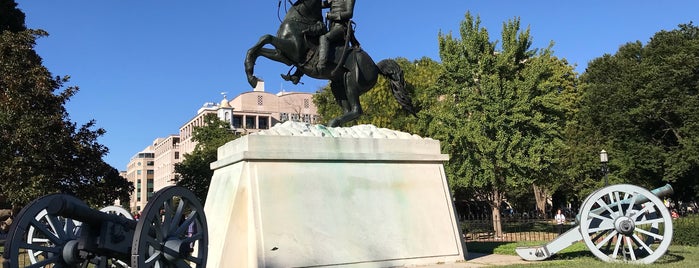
(354, 197)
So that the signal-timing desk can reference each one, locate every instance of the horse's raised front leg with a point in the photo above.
(251, 58)
(275, 54)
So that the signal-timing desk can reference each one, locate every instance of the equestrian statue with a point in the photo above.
(305, 42)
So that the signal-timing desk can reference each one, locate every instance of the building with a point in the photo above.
(141, 172)
(253, 111)
(154, 168)
(257, 109)
(167, 154)
(224, 112)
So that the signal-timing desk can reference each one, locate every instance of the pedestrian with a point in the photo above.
(560, 221)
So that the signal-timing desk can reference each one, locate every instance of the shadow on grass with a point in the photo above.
(573, 255)
(671, 258)
(485, 247)
(668, 258)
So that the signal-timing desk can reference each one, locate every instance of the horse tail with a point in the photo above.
(391, 70)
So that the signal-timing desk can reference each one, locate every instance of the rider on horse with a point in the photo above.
(351, 70)
(339, 16)
(341, 11)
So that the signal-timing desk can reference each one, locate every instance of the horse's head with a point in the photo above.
(309, 9)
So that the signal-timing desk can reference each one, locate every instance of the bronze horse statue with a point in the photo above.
(351, 70)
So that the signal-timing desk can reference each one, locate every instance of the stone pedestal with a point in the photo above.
(377, 198)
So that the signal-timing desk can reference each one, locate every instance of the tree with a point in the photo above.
(195, 171)
(41, 150)
(641, 105)
(11, 18)
(379, 105)
(499, 113)
(106, 188)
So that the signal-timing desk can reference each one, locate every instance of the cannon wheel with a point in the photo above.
(43, 237)
(616, 229)
(119, 211)
(171, 232)
(46, 236)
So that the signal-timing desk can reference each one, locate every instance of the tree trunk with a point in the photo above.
(495, 205)
(541, 195)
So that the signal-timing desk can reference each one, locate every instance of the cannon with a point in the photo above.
(618, 223)
(59, 230)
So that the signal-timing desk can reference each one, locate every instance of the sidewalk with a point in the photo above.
(482, 260)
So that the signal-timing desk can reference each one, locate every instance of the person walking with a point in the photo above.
(560, 221)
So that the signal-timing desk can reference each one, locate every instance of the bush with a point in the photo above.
(685, 231)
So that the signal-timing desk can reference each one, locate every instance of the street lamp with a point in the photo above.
(604, 160)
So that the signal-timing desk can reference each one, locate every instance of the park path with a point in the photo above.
(482, 260)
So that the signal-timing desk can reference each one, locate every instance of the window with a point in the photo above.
(146, 155)
(295, 117)
(149, 189)
(138, 190)
(138, 172)
(177, 155)
(283, 117)
(250, 122)
(262, 123)
(307, 118)
(259, 100)
(150, 172)
(306, 103)
(150, 163)
(237, 121)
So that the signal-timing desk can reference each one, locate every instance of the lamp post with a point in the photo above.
(604, 160)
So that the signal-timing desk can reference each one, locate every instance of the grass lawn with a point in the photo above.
(578, 255)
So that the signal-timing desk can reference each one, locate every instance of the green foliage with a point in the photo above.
(11, 18)
(500, 114)
(195, 172)
(685, 231)
(41, 150)
(379, 106)
(326, 105)
(641, 105)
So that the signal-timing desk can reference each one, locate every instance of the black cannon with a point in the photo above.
(60, 230)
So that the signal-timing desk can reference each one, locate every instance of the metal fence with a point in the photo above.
(480, 229)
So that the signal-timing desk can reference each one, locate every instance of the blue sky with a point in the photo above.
(144, 67)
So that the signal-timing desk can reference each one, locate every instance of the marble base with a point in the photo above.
(298, 201)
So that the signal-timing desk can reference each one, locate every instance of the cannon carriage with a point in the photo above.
(60, 230)
(618, 223)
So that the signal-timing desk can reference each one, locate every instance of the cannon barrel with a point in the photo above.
(659, 192)
(63, 207)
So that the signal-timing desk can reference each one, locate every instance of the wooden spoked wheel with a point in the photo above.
(626, 223)
(171, 232)
(46, 239)
(51, 240)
